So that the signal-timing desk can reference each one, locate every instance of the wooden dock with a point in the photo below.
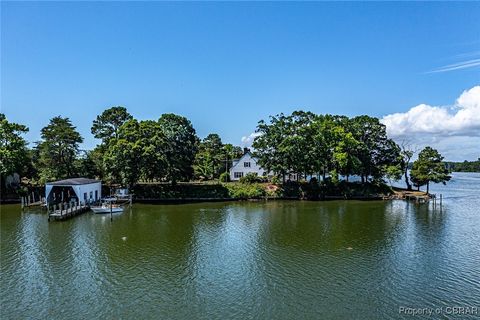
(67, 210)
(31, 201)
(418, 198)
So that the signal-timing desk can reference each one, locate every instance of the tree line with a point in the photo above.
(330, 146)
(465, 166)
(168, 149)
(129, 151)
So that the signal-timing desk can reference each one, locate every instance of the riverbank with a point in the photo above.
(254, 191)
(234, 191)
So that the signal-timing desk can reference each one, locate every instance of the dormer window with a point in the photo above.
(246, 164)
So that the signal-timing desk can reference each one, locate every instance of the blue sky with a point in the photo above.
(227, 65)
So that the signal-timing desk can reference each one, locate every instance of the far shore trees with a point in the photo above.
(149, 150)
(105, 127)
(14, 155)
(168, 150)
(107, 124)
(180, 146)
(310, 144)
(209, 158)
(429, 168)
(58, 150)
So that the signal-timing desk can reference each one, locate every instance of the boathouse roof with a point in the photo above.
(73, 182)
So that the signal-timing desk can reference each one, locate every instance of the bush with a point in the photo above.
(246, 191)
(250, 178)
(224, 177)
(179, 191)
(275, 180)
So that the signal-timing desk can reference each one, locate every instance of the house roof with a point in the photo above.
(73, 182)
(245, 154)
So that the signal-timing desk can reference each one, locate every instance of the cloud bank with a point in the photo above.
(454, 129)
(248, 140)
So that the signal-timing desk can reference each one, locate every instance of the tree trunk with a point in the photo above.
(409, 186)
(428, 185)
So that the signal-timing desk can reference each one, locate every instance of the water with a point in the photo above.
(245, 260)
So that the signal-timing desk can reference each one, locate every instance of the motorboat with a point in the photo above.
(108, 205)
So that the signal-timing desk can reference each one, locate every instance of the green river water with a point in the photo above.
(247, 260)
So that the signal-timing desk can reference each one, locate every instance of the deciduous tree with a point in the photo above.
(14, 154)
(429, 168)
(180, 146)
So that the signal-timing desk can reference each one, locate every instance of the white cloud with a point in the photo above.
(463, 118)
(454, 130)
(248, 140)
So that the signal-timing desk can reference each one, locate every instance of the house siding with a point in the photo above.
(239, 169)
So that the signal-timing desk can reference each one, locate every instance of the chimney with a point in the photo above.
(246, 150)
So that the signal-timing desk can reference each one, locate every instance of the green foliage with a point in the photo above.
(180, 146)
(429, 168)
(123, 157)
(137, 153)
(252, 177)
(393, 173)
(58, 150)
(210, 158)
(375, 151)
(90, 164)
(149, 150)
(246, 191)
(14, 155)
(224, 177)
(203, 166)
(275, 180)
(466, 166)
(310, 144)
(200, 191)
(107, 125)
(180, 191)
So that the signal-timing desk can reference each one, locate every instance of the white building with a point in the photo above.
(246, 164)
(79, 189)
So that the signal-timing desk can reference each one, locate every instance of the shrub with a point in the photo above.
(224, 177)
(250, 178)
(275, 180)
(246, 191)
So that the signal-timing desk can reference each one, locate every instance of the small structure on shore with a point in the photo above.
(78, 189)
(249, 164)
(72, 196)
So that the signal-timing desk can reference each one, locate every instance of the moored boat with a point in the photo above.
(108, 205)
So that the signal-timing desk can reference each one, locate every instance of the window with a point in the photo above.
(96, 194)
(246, 164)
(91, 194)
(237, 175)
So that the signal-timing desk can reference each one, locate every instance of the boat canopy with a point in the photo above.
(86, 190)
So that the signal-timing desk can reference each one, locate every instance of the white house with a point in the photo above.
(80, 189)
(246, 164)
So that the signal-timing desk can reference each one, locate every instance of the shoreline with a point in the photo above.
(212, 200)
(225, 192)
